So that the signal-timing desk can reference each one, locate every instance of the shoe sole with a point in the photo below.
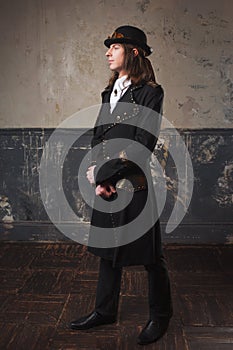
(86, 328)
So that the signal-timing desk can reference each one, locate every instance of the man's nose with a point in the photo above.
(109, 52)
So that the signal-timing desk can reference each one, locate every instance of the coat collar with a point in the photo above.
(119, 110)
(122, 111)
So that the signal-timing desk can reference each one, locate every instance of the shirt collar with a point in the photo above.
(122, 83)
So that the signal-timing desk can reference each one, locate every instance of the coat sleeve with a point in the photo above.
(118, 168)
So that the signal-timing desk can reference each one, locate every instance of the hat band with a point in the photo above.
(116, 35)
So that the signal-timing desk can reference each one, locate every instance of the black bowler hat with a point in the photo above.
(129, 35)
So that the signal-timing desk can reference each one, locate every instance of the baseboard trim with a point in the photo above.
(190, 234)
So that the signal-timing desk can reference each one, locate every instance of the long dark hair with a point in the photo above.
(138, 67)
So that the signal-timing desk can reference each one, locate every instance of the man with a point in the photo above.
(132, 94)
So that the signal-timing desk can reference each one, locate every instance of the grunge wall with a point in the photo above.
(53, 64)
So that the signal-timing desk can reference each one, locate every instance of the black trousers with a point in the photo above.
(159, 293)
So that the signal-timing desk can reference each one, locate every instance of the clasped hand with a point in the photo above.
(104, 190)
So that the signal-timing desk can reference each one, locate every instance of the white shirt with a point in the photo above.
(120, 87)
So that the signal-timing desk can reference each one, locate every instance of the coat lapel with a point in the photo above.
(125, 108)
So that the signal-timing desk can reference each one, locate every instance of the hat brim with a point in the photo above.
(108, 42)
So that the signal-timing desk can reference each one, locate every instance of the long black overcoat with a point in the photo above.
(109, 126)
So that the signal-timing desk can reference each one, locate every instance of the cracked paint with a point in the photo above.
(224, 188)
(190, 107)
(207, 149)
(5, 210)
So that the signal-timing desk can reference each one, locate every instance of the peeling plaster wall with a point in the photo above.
(52, 57)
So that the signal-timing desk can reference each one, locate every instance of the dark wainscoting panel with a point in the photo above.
(209, 218)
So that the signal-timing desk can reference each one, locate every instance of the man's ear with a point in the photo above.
(135, 52)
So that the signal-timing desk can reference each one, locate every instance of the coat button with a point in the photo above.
(107, 157)
(118, 117)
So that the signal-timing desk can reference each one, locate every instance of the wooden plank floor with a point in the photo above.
(45, 286)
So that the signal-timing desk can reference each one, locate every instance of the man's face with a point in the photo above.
(116, 55)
